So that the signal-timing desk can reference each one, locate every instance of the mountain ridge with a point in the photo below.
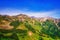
(30, 28)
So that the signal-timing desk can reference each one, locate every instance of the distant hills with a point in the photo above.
(24, 27)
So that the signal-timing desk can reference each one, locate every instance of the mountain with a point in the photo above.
(23, 27)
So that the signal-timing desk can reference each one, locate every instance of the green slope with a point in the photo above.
(31, 30)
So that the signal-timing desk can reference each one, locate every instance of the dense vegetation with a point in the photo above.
(58, 24)
(47, 30)
(50, 29)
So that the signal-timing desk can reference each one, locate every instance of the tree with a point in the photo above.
(15, 23)
(50, 28)
(58, 24)
(27, 25)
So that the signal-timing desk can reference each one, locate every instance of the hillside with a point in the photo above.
(23, 27)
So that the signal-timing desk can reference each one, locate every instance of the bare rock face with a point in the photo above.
(42, 19)
(5, 19)
(29, 28)
(6, 27)
(22, 17)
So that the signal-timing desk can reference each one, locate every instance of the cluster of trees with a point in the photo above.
(27, 25)
(49, 28)
(58, 24)
(14, 32)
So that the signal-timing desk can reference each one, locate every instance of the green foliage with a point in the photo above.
(15, 23)
(50, 28)
(14, 35)
(58, 24)
(5, 31)
(58, 33)
(4, 38)
(27, 25)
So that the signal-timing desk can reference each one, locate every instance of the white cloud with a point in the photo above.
(30, 13)
(40, 14)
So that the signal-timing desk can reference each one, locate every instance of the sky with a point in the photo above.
(37, 8)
